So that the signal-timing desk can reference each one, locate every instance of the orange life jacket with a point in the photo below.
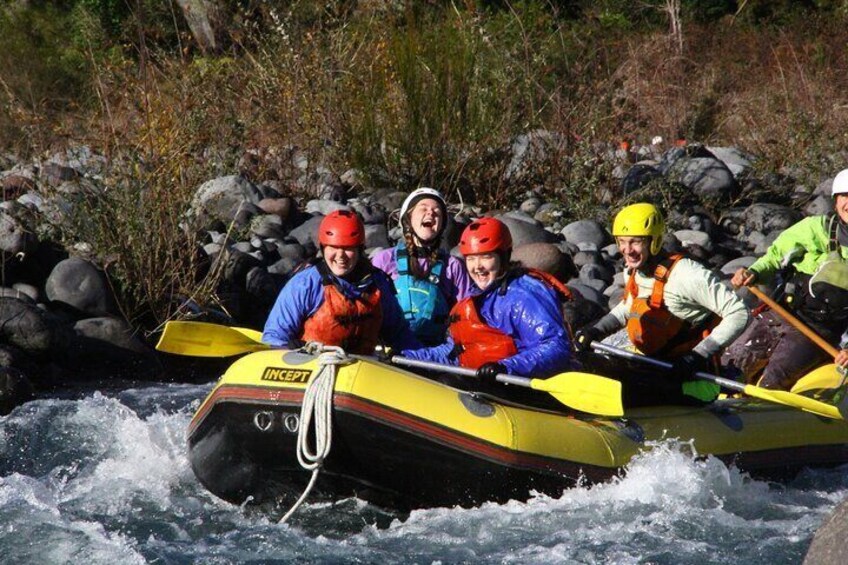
(651, 327)
(353, 324)
(479, 343)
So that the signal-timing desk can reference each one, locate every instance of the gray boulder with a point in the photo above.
(687, 238)
(819, 205)
(524, 231)
(739, 162)
(707, 177)
(16, 233)
(828, 546)
(766, 242)
(545, 257)
(284, 266)
(370, 213)
(580, 311)
(582, 258)
(530, 206)
(306, 234)
(587, 292)
(638, 176)
(268, 226)
(376, 235)
(226, 199)
(596, 272)
(324, 207)
(291, 250)
(765, 217)
(587, 231)
(281, 207)
(107, 346)
(76, 283)
(31, 329)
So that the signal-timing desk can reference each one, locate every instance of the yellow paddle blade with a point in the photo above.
(825, 380)
(586, 392)
(796, 400)
(201, 339)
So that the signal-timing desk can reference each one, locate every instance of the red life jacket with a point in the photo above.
(353, 324)
(651, 327)
(479, 343)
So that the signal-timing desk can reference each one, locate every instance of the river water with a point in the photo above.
(101, 476)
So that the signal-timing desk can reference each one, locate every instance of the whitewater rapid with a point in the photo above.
(103, 477)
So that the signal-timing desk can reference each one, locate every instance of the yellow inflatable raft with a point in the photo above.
(405, 440)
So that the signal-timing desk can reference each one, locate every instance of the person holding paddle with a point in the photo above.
(513, 323)
(428, 280)
(673, 308)
(809, 258)
(339, 299)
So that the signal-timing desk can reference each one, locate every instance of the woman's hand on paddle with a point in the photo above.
(743, 277)
(841, 358)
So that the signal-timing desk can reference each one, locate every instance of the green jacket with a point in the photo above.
(812, 234)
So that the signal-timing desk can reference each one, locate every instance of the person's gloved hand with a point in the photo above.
(702, 391)
(685, 367)
(488, 372)
(384, 355)
(584, 337)
(295, 344)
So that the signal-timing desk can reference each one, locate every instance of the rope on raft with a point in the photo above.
(317, 404)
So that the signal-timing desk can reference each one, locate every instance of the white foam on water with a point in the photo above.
(105, 480)
(668, 507)
(37, 531)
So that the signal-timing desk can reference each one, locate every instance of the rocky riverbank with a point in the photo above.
(60, 321)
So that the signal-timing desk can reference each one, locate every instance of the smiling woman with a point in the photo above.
(339, 299)
(513, 324)
(427, 279)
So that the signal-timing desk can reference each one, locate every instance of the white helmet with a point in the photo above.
(421, 194)
(840, 183)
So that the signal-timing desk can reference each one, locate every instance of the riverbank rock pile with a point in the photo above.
(60, 320)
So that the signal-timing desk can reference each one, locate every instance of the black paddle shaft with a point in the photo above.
(624, 354)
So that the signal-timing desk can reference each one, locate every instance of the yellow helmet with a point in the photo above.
(640, 220)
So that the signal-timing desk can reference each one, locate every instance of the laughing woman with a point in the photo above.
(428, 280)
(513, 324)
(340, 299)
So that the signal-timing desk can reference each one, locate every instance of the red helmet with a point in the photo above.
(341, 228)
(485, 236)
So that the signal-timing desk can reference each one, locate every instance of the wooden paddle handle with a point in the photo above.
(799, 325)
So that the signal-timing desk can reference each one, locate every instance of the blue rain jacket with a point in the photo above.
(527, 310)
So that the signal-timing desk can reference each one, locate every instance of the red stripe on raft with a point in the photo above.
(390, 417)
(242, 394)
(451, 438)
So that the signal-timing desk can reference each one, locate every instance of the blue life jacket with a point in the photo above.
(424, 305)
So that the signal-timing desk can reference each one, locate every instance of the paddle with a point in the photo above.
(582, 391)
(585, 392)
(798, 324)
(769, 395)
(202, 339)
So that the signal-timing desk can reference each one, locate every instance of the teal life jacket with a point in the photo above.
(423, 303)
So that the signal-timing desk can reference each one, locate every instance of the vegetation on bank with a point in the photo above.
(407, 93)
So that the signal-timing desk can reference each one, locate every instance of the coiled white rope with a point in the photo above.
(317, 404)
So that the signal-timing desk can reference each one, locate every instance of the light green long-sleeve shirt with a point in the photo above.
(811, 234)
(692, 293)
